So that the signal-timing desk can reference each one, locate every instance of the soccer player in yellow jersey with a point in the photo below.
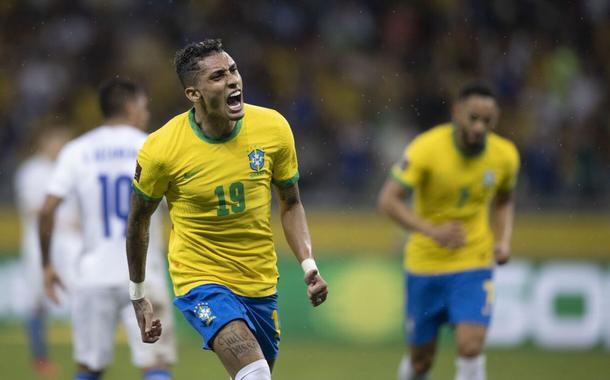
(456, 172)
(215, 165)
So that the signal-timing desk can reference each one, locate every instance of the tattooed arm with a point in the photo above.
(138, 225)
(296, 232)
(294, 221)
(138, 234)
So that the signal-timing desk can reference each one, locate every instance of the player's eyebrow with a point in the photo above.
(217, 71)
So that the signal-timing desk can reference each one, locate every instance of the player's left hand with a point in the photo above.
(317, 289)
(150, 328)
(51, 281)
(502, 253)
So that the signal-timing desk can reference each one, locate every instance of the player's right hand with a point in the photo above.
(449, 235)
(317, 289)
(51, 282)
(150, 329)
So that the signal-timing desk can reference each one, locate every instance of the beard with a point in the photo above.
(471, 146)
(474, 148)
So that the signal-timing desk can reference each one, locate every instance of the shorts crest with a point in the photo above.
(204, 312)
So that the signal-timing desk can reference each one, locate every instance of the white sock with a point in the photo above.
(470, 368)
(258, 370)
(405, 372)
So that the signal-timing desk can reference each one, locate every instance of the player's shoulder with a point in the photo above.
(29, 164)
(433, 137)
(31, 167)
(166, 134)
(134, 133)
(78, 144)
(503, 146)
(92, 136)
(438, 132)
(264, 115)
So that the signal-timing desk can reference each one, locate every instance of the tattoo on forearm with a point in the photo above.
(504, 197)
(138, 234)
(289, 195)
(236, 342)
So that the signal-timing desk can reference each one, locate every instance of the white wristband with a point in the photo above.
(308, 264)
(136, 290)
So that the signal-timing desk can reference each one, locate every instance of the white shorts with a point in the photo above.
(95, 314)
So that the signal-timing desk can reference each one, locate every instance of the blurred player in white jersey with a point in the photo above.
(98, 168)
(30, 180)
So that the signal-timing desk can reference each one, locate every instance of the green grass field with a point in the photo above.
(305, 360)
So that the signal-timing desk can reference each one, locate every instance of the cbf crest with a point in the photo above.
(257, 159)
(488, 178)
(204, 312)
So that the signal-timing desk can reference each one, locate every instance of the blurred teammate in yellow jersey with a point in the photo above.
(455, 171)
(215, 165)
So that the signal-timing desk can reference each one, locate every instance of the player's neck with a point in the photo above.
(117, 121)
(213, 126)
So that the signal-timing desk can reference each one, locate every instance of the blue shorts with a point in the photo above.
(208, 308)
(433, 300)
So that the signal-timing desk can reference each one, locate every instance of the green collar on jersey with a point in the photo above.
(462, 151)
(212, 140)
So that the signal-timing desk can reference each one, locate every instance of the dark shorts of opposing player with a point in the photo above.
(433, 300)
(208, 308)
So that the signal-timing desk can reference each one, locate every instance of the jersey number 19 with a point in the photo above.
(237, 196)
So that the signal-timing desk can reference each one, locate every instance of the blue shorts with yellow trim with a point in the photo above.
(208, 308)
(433, 300)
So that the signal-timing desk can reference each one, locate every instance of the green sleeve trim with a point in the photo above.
(401, 181)
(287, 182)
(142, 195)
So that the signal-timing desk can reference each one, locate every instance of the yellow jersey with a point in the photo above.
(219, 197)
(449, 185)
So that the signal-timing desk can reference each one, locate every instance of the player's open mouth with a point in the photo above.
(234, 101)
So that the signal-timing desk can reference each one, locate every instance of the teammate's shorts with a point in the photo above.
(433, 300)
(95, 314)
(208, 308)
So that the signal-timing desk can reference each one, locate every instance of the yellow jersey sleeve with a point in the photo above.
(409, 171)
(151, 180)
(509, 179)
(285, 167)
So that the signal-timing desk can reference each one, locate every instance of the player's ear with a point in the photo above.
(192, 94)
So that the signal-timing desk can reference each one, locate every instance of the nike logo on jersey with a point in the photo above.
(192, 173)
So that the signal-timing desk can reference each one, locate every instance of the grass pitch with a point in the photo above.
(306, 360)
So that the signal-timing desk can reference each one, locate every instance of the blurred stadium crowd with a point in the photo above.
(356, 79)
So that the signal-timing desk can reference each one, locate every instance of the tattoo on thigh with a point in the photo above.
(236, 342)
